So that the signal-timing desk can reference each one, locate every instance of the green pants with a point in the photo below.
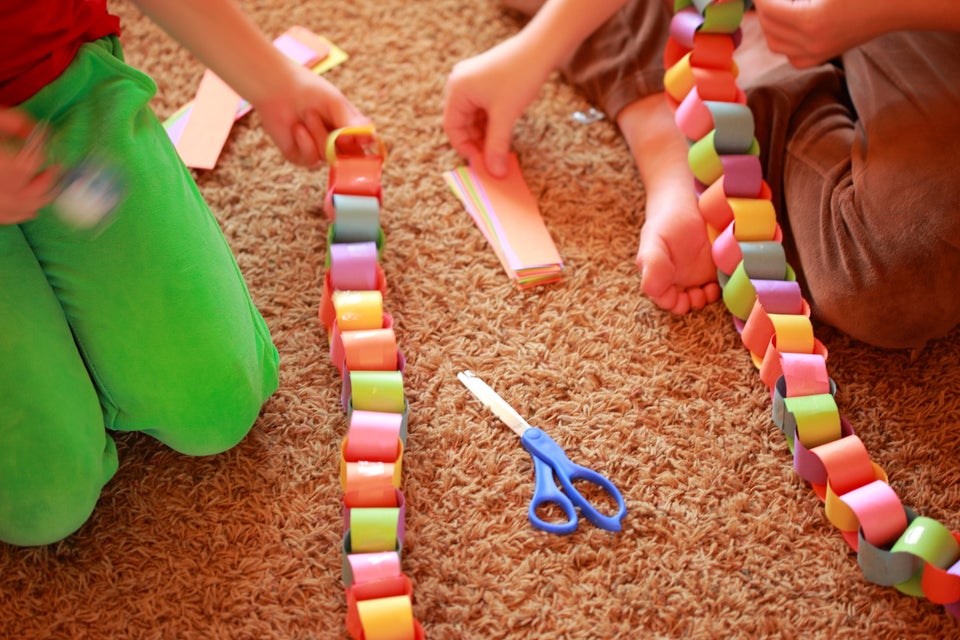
(145, 326)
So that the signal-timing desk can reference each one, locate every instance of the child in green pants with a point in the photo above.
(146, 324)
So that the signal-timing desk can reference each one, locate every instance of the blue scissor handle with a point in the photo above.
(549, 459)
(545, 491)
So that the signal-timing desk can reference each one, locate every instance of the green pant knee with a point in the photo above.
(47, 494)
(214, 414)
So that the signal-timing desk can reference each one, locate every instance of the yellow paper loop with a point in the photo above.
(387, 618)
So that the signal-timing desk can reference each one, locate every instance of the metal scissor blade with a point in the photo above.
(492, 400)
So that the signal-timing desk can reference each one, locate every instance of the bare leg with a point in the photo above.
(677, 270)
(674, 256)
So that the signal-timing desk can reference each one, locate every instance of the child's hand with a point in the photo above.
(25, 185)
(814, 31)
(483, 98)
(300, 118)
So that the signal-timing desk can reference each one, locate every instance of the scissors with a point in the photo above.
(549, 460)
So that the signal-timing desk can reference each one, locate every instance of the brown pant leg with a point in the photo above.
(622, 61)
(859, 160)
(870, 188)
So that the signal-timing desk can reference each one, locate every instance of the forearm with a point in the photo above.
(225, 39)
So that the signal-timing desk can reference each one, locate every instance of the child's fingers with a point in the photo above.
(311, 146)
(28, 198)
(497, 145)
(15, 123)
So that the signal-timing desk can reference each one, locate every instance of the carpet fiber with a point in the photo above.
(722, 539)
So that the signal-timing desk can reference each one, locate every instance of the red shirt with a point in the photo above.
(39, 38)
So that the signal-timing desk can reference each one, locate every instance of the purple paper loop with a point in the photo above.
(779, 296)
(742, 175)
(684, 26)
(353, 266)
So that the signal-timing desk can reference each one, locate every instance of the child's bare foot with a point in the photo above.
(677, 270)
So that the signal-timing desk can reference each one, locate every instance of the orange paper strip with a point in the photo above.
(210, 122)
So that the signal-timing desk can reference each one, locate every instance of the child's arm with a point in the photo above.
(297, 107)
(486, 94)
(811, 32)
(25, 186)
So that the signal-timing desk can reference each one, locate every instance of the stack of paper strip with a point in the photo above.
(200, 128)
(509, 217)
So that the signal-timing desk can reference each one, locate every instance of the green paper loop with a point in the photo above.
(739, 293)
(724, 17)
(377, 391)
(705, 162)
(927, 539)
(374, 529)
(817, 418)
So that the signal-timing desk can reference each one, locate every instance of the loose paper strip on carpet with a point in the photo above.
(508, 216)
(201, 142)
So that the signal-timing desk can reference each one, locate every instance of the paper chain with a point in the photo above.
(895, 547)
(363, 347)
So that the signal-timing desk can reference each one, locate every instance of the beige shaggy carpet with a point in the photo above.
(722, 539)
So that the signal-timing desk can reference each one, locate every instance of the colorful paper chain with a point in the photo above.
(895, 547)
(363, 347)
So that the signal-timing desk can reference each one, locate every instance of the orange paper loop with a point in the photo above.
(846, 461)
(369, 484)
(714, 51)
(370, 350)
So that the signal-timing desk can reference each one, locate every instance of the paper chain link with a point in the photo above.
(363, 347)
(895, 547)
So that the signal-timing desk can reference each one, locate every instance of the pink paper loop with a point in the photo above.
(370, 567)
(726, 251)
(373, 436)
(805, 374)
(684, 25)
(353, 266)
(693, 117)
(879, 510)
(771, 369)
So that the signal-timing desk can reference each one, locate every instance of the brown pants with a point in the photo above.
(863, 156)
